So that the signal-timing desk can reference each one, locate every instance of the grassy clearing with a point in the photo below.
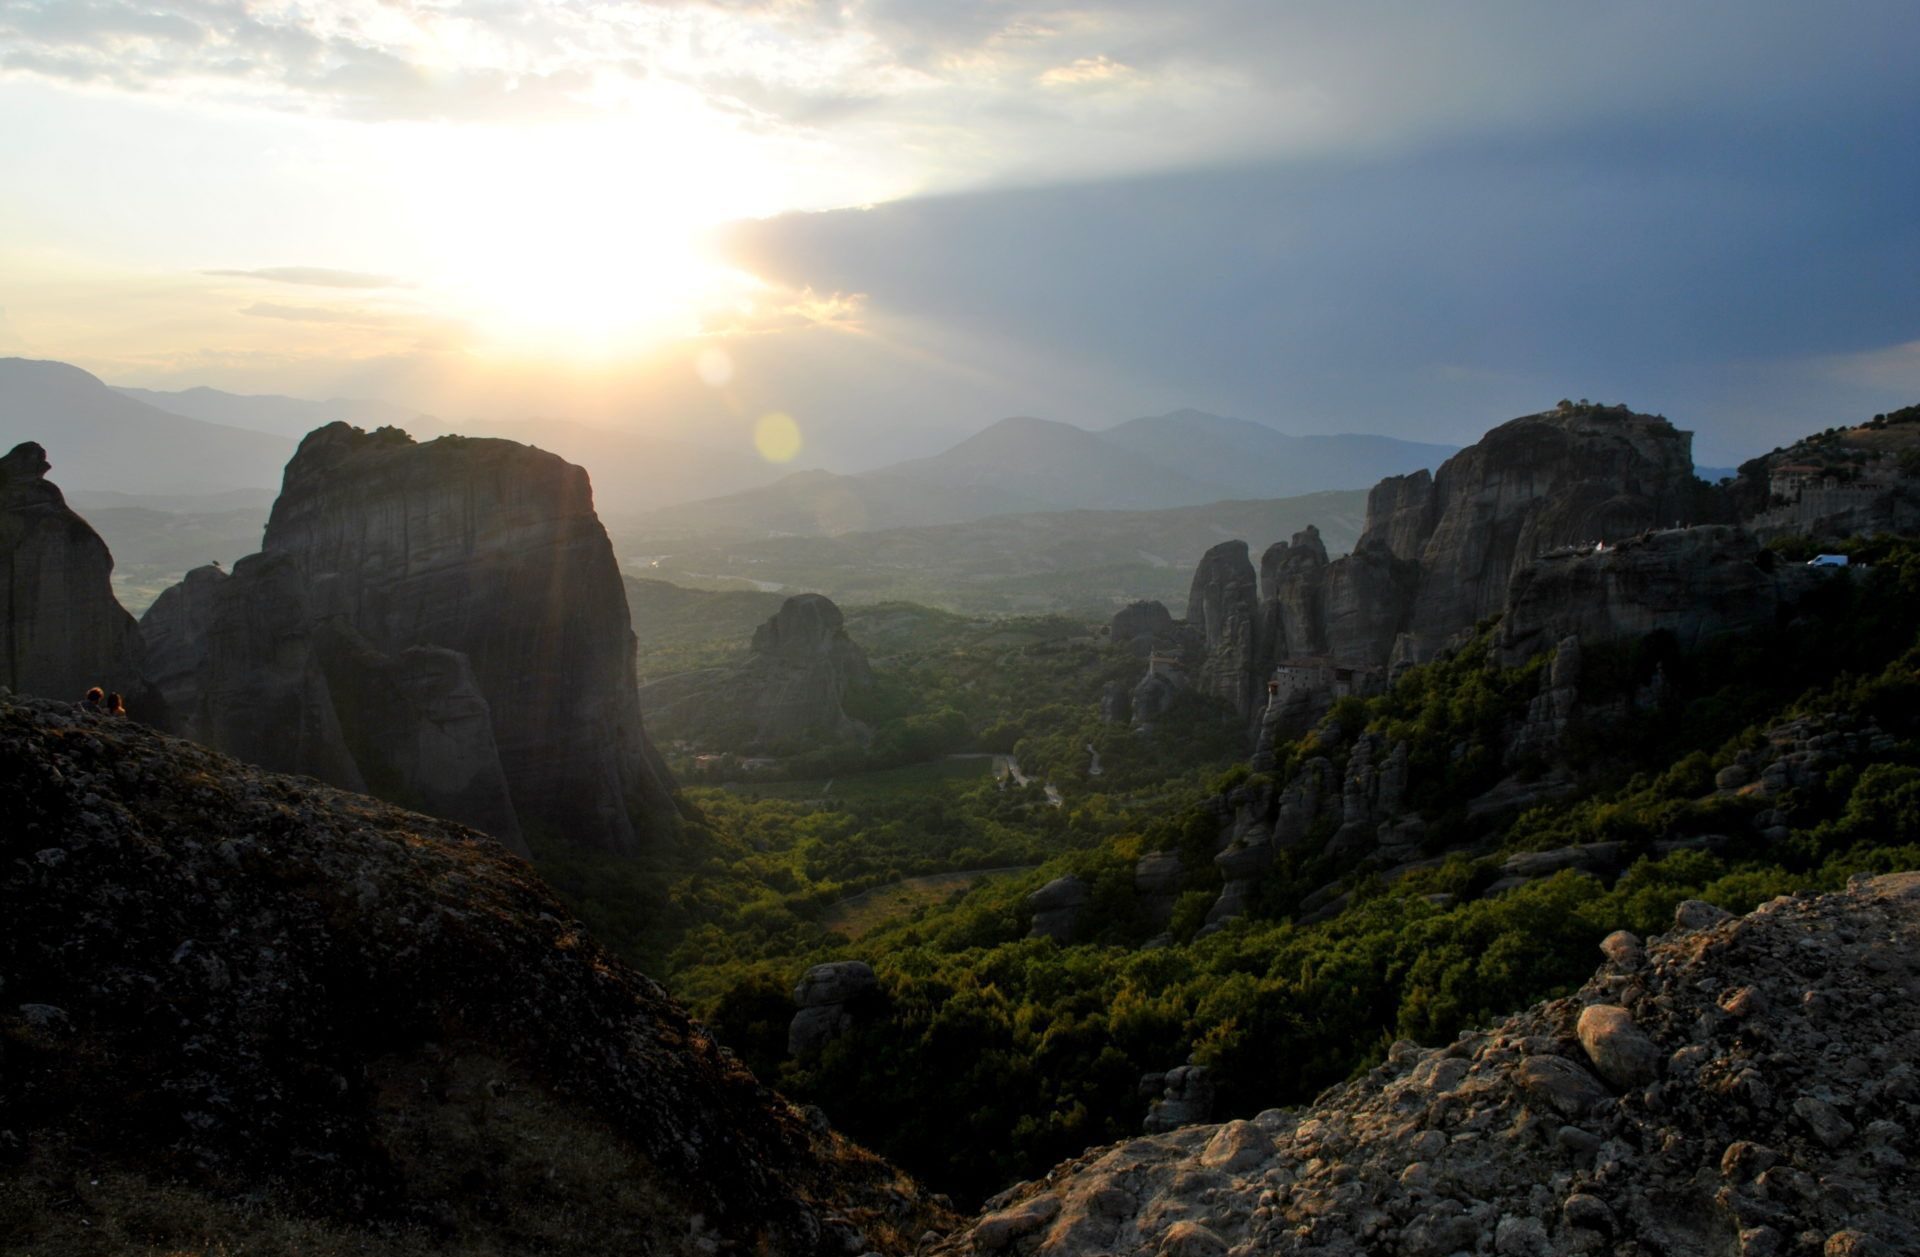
(855, 915)
(888, 783)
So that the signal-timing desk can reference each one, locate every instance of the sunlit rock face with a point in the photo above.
(61, 629)
(462, 608)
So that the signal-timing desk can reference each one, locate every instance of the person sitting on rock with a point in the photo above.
(96, 698)
(116, 705)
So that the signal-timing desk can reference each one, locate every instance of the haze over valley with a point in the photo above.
(999, 630)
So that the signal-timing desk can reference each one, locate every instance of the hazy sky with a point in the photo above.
(1416, 219)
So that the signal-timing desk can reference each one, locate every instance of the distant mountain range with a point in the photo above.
(631, 471)
(291, 417)
(1021, 465)
(100, 439)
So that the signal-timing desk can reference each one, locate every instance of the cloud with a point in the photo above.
(1084, 71)
(318, 276)
(1686, 266)
(953, 95)
(314, 314)
(789, 311)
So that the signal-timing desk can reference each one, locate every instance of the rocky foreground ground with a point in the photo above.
(1740, 1086)
(243, 1013)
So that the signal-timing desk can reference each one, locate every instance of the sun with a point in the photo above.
(586, 239)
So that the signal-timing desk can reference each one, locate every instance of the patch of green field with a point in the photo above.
(939, 774)
(855, 915)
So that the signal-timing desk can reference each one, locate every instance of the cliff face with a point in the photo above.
(376, 1029)
(487, 556)
(1695, 583)
(1737, 1086)
(61, 629)
(1530, 485)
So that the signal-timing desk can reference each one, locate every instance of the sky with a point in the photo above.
(897, 221)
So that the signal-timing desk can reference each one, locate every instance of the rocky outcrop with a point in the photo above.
(245, 1004)
(802, 668)
(1223, 611)
(61, 629)
(1056, 908)
(1183, 1096)
(788, 695)
(1741, 1086)
(825, 995)
(1694, 583)
(522, 712)
(1440, 553)
(1138, 625)
(1563, 478)
(1165, 682)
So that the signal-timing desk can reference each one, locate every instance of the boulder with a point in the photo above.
(834, 983)
(1056, 908)
(1619, 1050)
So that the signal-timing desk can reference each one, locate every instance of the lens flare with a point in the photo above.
(777, 437)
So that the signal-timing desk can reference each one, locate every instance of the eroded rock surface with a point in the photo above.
(1739, 1086)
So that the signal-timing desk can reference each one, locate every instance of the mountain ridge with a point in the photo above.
(105, 441)
(1024, 465)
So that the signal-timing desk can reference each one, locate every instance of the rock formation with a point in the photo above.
(802, 667)
(1740, 1086)
(1562, 478)
(62, 630)
(442, 624)
(1139, 625)
(1057, 907)
(1694, 583)
(1224, 613)
(824, 995)
(252, 1006)
(1440, 553)
(789, 694)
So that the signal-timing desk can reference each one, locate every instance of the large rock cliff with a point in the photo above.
(1223, 610)
(250, 1006)
(440, 623)
(61, 629)
(1738, 1087)
(1440, 551)
(1694, 583)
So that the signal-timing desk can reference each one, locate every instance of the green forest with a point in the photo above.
(986, 1056)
